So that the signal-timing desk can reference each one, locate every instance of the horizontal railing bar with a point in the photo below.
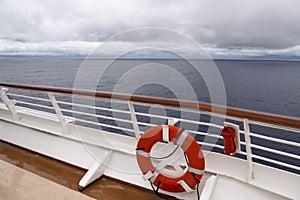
(275, 126)
(96, 98)
(29, 97)
(201, 123)
(210, 145)
(237, 112)
(190, 131)
(95, 115)
(146, 124)
(181, 120)
(275, 151)
(94, 107)
(37, 105)
(105, 125)
(275, 139)
(151, 115)
(204, 134)
(192, 111)
(276, 162)
(242, 153)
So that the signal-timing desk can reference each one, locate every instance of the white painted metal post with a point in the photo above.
(248, 149)
(59, 113)
(8, 103)
(134, 119)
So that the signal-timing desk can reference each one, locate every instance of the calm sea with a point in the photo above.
(269, 86)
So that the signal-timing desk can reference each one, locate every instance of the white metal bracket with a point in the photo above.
(134, 120)
(165, 133)
(9, 104)
(65, 127)
(147, 176)
(185, 186)
(208, 188)
(96, 171)
(172, 121)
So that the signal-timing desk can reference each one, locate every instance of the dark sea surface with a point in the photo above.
(268, 86)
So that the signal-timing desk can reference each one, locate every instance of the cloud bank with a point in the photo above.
(225, 28)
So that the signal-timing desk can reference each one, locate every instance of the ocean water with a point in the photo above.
(268, 86)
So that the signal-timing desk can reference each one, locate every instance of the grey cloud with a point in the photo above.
(237, 26)
(66, 48)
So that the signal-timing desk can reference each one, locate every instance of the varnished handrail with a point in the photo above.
(231, 111)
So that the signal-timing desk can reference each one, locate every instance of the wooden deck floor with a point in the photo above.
(17, 183)
(65, 175)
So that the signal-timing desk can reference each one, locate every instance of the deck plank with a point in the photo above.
(17, 183)
(68, 175)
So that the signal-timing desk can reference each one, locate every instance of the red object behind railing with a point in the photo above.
(228, 134)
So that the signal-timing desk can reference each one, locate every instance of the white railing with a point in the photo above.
(130, 116)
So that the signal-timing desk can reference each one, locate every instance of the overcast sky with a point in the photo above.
(226, 28)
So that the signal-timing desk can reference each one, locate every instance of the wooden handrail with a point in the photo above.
(231, 111)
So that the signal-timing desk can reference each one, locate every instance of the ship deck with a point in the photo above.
(29, 175)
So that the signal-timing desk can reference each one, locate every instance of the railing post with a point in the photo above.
(8, 103)
(59, 113)
(248, 149)
(134, 119)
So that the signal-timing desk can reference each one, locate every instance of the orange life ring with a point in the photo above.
(189, 145)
